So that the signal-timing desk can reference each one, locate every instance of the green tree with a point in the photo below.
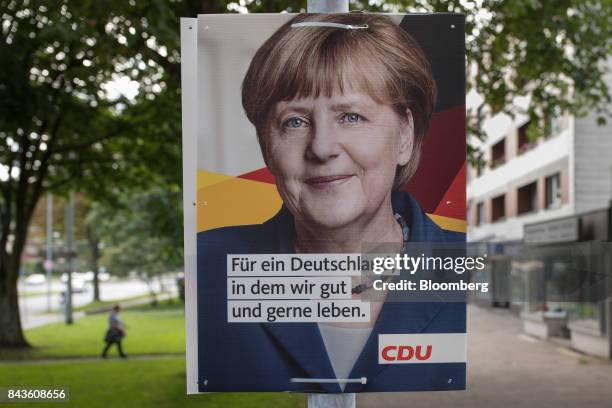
(142, 233)
(60, 128)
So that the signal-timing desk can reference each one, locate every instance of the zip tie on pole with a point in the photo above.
(362, 380)
(332, 25)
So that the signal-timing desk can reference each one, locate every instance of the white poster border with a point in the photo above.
(189, 95)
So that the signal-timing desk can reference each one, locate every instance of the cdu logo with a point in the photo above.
(406, 353)
(421, 348)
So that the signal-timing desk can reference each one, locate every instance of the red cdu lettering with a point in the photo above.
(385, 353)
(405, 353)
(427, 354)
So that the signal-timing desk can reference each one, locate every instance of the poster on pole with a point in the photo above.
(309, 141)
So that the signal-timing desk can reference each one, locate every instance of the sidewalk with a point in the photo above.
(509, 369)
(44, 319)
(92, 359)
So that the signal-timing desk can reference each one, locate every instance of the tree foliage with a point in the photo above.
(61, 127)
(554, 53)
(143, 233)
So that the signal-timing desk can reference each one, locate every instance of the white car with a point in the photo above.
(78, 285)
(102, 276)
(35, 279)
(75, 275)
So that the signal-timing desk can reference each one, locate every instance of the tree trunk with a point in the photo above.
(11, 333)
(96, 285)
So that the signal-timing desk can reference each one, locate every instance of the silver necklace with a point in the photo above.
(362, 287)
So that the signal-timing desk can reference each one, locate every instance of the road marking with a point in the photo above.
(569, 352)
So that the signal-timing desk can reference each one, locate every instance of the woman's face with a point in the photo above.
(335, 158)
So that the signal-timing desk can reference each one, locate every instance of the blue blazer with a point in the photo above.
(265, 356)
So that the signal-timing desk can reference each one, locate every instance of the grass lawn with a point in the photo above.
(156, 381)
(118, 383)
(150, 330)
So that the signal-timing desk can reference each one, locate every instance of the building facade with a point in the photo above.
(555, 190)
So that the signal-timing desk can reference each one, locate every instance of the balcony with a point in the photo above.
(543, 154)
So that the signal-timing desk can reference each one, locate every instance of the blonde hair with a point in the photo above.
(382, 60)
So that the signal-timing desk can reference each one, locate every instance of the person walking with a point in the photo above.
(115, 332)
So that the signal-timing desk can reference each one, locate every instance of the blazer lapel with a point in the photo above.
(395, 318)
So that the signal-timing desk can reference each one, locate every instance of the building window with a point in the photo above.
(480, 214)
(553, 191)
(527, 198)
(498, 208)
(553, 123)
(498, 153)
(523, 142)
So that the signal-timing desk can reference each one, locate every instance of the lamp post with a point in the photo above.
(328, 6)
(69, 224)
(48, 264)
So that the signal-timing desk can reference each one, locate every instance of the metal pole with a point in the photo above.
(607, 303)
(69, 224)
(328, 6)
(49, 260)
(330, 400)
(607, 263)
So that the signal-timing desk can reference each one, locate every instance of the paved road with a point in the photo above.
(509, 369)
(33, 309)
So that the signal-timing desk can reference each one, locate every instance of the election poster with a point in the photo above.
(308, 141)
